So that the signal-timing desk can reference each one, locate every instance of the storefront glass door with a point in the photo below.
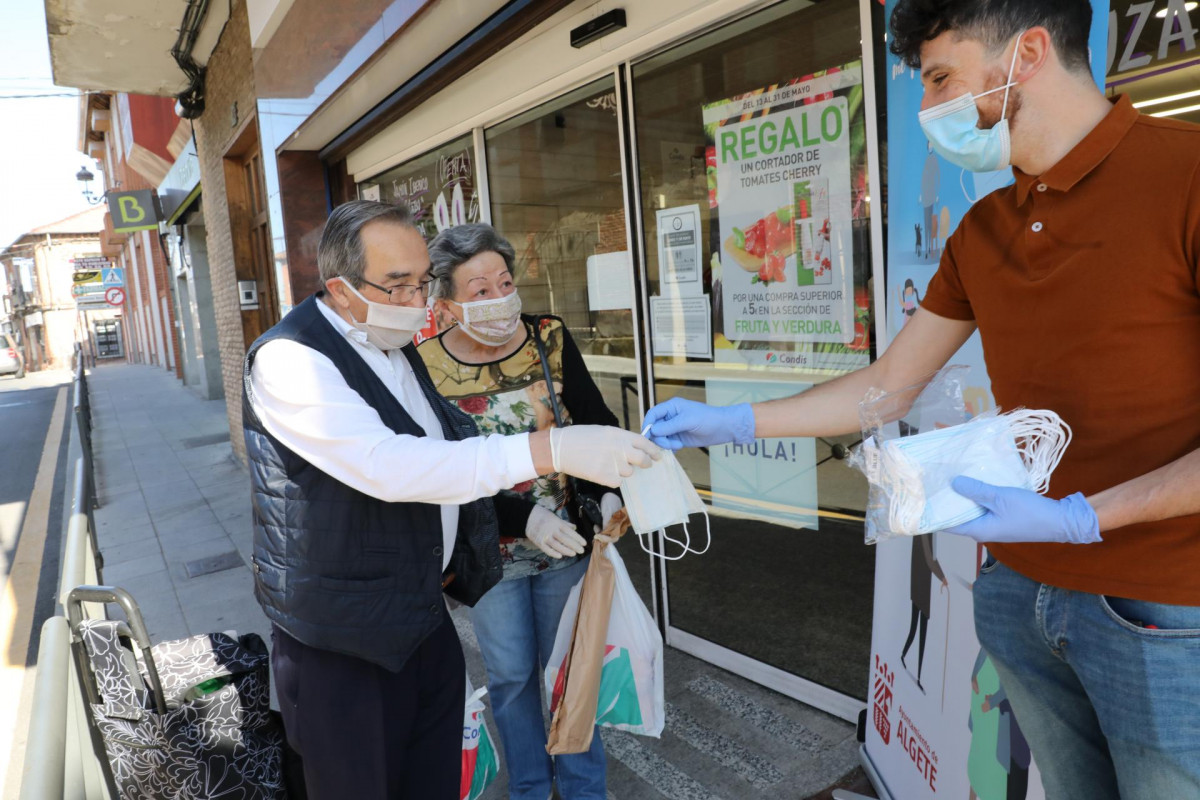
(555, 183)
(752, 168)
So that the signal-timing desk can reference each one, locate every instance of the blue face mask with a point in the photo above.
(953, 130)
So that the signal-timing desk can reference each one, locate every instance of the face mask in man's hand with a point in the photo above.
(660, 496)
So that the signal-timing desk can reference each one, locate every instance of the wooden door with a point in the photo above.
(249, 220)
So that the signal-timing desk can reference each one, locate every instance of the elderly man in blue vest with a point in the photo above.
(370, 500)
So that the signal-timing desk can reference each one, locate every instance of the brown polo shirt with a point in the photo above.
(1085, 285)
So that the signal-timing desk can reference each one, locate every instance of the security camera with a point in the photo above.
(189, 104)
(189, 108)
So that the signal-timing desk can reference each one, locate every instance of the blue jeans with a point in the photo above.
(1110, 706)
(516, 622)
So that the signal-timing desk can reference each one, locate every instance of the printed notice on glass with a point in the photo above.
(681, 326)
(610, 281)
(679, 252)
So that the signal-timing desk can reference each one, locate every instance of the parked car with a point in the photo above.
(12, 362)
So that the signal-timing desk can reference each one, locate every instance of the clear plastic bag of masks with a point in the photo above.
(916, 440)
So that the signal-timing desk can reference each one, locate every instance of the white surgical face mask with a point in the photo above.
(1019, 449)
(388, 326)
(493, 322)
(953, 129)
(661, 495)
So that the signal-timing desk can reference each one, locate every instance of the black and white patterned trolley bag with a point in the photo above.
(187, 719)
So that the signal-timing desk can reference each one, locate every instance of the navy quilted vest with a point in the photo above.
(336, 568)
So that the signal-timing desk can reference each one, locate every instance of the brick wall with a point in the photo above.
(229, 79)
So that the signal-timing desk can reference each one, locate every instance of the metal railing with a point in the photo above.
(61, 761)
(83, 422)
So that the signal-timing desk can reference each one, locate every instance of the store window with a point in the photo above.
(752, 166)
(438, 187)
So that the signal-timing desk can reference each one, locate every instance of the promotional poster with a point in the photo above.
(786, 169)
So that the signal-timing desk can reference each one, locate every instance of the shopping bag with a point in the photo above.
(480, 762)
(631, 680)
(606, 665)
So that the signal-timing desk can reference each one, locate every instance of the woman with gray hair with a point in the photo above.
(489, 364)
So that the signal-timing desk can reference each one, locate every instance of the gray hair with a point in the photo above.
(455, 246)
(340, 253)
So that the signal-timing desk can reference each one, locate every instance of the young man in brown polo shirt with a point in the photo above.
(1083, 279)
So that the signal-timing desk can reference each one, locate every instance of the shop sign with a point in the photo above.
(1146, 34)
(133, 211)
(181, 185)
(80, 277)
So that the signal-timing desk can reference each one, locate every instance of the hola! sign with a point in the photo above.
(133, 211)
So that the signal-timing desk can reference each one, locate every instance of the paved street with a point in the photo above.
(174, 528)
(34, 421)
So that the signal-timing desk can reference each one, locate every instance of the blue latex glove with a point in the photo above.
(1019, 515)
(685, 423)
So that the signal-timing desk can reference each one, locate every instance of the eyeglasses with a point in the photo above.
(402, 294)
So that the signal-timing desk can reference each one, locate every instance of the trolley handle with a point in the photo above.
(114, 594)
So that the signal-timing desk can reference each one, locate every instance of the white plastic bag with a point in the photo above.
(630, 695)
(480, 762)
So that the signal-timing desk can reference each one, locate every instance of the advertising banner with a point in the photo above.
(938, 721)
(786, 183)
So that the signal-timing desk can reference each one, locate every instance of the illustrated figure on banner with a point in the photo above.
(998, 763)
(910, 300)
(931, 175)
(924, 567)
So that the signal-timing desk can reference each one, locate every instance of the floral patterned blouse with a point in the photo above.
(510, 396)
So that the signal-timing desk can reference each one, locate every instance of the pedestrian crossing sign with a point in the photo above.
(114, 276)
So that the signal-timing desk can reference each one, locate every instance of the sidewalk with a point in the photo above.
(174, 528)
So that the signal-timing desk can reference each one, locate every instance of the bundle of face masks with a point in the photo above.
(918, 439)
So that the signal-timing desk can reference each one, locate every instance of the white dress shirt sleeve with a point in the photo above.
(305, 403)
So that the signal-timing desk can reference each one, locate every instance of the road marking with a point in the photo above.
(750, 767)
(662, 775)
(20, 594)
(769, 720)
(22, 403)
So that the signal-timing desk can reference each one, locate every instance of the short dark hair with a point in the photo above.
(994, 23)
(340, 253)
(458, 245)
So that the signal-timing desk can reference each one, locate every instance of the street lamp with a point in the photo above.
(86, 177)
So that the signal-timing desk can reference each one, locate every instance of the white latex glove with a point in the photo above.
(553, 536)
(600, 453)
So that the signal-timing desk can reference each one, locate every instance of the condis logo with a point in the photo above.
(789, 359)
